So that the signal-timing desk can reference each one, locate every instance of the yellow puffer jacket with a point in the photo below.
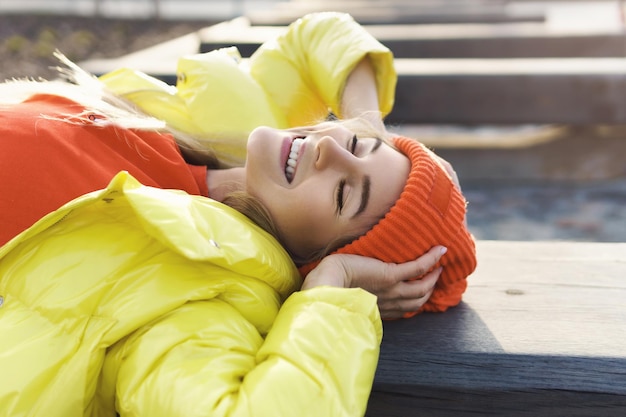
(157, 303)
(292, 81)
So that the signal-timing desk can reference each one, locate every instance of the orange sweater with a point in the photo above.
(46, 162)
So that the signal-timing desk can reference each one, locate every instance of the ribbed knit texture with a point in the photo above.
(429, 212)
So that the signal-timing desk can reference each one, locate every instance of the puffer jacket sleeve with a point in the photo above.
(154, 302)
(305, 70)
(204, 358)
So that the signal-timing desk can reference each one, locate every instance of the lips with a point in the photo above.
(291, 163)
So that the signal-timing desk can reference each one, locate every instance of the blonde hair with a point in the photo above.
(84, 88)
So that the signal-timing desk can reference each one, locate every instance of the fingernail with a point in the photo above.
(443, 251)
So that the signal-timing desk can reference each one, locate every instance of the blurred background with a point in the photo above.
(527, 99)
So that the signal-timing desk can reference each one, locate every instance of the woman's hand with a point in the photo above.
(389, 282)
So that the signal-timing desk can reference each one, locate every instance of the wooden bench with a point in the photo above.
(541, 332)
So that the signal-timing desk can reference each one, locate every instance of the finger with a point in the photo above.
(417, 288)
(417, 267)
(404, 305)
(397, 307)
(412, 289)
(402, 311)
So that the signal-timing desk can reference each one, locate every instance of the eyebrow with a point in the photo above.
(367, 184)
(379, 142)
(365, 195)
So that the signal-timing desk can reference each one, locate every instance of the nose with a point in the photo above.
(330, 154)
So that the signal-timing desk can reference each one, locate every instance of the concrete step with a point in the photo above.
(528, 154)
(511, 91)
(506, 40)
(400, 11)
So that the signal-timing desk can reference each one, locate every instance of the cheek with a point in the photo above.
(304, 225)
(296, 217)
(263, 159)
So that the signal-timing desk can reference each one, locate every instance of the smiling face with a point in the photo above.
(322, 184)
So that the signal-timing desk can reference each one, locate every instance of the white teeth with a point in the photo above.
(290, 166)
(295, 145)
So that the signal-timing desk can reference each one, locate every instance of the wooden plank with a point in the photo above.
(510, 91)
(541, 331)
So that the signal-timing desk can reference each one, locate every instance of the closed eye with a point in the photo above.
(339, 197)
(352, 144)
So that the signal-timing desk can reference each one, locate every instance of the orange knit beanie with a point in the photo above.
(429, 212)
